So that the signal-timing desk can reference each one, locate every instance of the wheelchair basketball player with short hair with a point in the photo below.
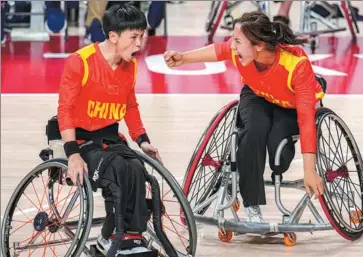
(97, 90)
(278, 100)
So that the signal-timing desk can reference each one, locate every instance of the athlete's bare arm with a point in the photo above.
(203, 54)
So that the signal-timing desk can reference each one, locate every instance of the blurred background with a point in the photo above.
(36, 36)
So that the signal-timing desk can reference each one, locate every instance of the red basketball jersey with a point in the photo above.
(93, 96)
(290, 83)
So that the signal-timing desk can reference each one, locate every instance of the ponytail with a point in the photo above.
(258, 28)
(284, 35)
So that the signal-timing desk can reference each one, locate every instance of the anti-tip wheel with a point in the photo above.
(225, 236)
(290, 239)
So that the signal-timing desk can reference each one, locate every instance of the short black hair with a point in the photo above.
(119, 18)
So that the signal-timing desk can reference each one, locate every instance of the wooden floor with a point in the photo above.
(175, 124)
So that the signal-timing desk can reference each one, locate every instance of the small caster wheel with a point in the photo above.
(228, 20)
(355, 216)
(236, 205)
(225, 236)
(290, 239)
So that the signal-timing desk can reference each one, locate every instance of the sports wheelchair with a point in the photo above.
(212, 177)
(58, 219)
(310, 21)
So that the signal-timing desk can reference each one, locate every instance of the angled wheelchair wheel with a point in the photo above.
(181, 234)
(351, 18)
(202, 179)
(214, 7)
(45, 216)
(215, 17)
(340, 165)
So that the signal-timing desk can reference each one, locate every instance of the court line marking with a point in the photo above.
(97, 194)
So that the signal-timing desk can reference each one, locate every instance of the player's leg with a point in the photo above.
(93, 21)
(284, 124)
(125, 180)
(283, 12)
(123, 183)
(256, 118)
(4, 9)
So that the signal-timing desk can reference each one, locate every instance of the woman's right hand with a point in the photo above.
(76, 167)
(173, 59)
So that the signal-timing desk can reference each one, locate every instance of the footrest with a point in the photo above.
(152, 253)
(96, 253)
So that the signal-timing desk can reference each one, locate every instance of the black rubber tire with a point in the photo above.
(326, 201)
(77, 245)
(179, 195)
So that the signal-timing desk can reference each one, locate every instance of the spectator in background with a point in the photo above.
(96, 9)
(4, 9)
(93, 21)
(155, 15)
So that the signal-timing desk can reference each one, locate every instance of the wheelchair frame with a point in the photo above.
(79, 240)
(308, 18)
(290, 218)
(225, 195)
(217, 11)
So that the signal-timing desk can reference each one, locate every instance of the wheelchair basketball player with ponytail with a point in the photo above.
(278, 100)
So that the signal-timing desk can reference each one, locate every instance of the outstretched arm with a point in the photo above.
(210, 53)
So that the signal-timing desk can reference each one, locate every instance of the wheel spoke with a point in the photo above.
(340, 165)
